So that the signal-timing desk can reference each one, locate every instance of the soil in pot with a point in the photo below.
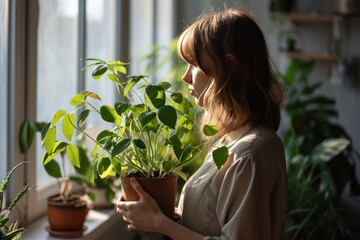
(66, 218)
(162, 190)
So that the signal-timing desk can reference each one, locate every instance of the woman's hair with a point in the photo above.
(230, 48)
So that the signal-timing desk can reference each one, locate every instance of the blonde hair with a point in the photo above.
(230, 48)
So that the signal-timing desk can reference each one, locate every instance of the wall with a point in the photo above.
(345, 90)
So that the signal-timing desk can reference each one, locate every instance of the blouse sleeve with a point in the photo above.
(245, 198)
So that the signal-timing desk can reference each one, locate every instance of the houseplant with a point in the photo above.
(10, 232)
(66, 210)
(145, 139)
(99, 192)
(317, 159)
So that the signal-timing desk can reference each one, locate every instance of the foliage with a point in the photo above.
(311, 212)
(146, 137)
(11, 231)
(317, 163)
(85, 174)
(164, 63)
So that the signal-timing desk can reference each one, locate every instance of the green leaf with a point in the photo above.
(164, 85)
(329, 149)
(138, 109)
(113, 78)
(84, 162)
(156, 95)
(14, 235)
(53, 169)
(3, 222)
(68, 127)
(121, 107)
(167, 115)
(139, 143)
(186, 154)
(121, 69)
(57, 116)
(18, 197)
(82, 118)
(58, 147)
(72, 152)
(104, 136)
(99, 72)
(50, 139)
(186, 124)
(104, 167)
(220, 156)
(146, 117)
(116, 165)
(26, 135)
(5, 181)
(77, 99)
(210, 130)
(110, 115)
(131, 83)
(121, 146)
(177, 97)
(178, 151)
(175, 141)
(45, 130)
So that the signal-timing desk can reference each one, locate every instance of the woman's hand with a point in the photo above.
(144, 214)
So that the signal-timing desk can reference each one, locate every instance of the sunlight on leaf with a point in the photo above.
(220, 156)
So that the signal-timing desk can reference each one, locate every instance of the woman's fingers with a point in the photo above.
(137, 187)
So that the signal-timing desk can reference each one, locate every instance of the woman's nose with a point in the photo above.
(187, 75)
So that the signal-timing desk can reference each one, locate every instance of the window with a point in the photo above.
(55, 51)
(4, 20)
(100, 43)
(57, 65)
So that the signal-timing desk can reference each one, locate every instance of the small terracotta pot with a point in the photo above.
(66, 216)
(162, 190)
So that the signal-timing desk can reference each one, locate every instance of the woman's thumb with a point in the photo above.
(137, 187)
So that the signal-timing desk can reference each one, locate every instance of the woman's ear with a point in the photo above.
(230, 59)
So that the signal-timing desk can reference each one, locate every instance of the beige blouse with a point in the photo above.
(246, 198)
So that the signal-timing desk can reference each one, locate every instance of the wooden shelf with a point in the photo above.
(312, 56)
(309, 18)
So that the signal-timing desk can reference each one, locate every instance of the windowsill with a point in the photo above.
(97, 223)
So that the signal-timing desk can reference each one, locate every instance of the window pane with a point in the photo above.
(141, 33)
(4, 17)
(57, 64)
(100, 43)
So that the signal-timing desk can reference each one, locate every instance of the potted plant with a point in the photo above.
(66, 210)
(12, 231)
(100, 192)
(145, 138)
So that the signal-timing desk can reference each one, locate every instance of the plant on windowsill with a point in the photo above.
(66, 210)
(10, 232)
(99, 192)
(145, 138)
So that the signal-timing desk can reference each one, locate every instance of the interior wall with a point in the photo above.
(345, 89)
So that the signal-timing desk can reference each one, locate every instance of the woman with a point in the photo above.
(231, 77)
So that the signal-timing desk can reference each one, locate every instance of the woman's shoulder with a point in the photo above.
(261, 141)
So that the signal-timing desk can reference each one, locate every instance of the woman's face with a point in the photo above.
(197, 81)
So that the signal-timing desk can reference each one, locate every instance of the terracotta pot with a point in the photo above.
(66, 216)
(163, 190)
